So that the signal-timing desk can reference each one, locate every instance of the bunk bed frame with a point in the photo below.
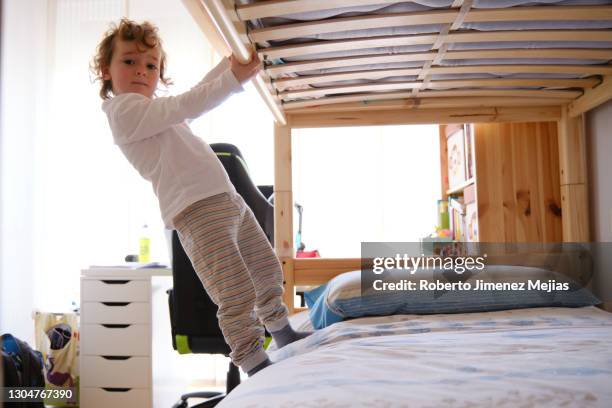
(322, 83)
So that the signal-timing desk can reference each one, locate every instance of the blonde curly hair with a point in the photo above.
(144, 34)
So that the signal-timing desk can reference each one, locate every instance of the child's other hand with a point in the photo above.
(244, 72)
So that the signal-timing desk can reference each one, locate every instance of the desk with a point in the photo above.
(116, 337)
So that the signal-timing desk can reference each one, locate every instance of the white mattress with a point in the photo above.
(424, 5)
(532, 357)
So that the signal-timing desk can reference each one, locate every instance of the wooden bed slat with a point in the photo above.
(319, 271)
(344, 264)
(592, 98)
(285, 83)
(552, 53)
(442, 102)
(536, 13)
(375, 117)
(349, 89)
(333, 25)
(283, 7)
(317, 47)
(367, 100)
(441, 46)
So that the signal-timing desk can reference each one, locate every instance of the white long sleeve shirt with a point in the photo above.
(155, 138)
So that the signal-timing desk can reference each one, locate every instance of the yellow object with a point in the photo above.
(144, 256)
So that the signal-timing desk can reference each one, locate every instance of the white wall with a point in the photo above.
(599, 141)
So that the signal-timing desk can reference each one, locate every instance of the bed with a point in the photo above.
(518, 358)
(381, 62)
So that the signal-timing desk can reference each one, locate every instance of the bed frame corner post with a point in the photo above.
(283, 209)
(573, 178)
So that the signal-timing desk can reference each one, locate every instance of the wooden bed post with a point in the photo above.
(283, 209)
(574, 191)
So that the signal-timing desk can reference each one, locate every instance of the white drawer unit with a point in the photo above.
(116, 290)
(117, 372)
(116, 312)
(116, 344)
(115, 397)
(116, 339)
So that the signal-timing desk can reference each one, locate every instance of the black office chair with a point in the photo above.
(193, 316)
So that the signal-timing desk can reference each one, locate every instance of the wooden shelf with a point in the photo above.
(460, 187)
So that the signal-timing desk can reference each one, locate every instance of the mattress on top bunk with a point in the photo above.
(426, 5)
(407, 7)
(413, 6)
(527, 357)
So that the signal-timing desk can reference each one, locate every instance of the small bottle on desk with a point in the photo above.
(144, 255)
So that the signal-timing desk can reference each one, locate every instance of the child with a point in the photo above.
(229, 251)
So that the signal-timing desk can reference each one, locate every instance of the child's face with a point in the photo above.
(132, 70)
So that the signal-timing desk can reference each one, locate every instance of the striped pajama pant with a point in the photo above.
(239, 270)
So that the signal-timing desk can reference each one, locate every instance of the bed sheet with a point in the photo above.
(529, 357)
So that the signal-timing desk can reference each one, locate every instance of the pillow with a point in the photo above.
(506, 287)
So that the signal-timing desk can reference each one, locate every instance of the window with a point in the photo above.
(365, 184)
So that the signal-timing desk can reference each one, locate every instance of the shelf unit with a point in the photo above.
(516, 183)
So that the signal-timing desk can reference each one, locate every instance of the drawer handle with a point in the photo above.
(116, 303)
(116, 282)
(116, 357)
(116, 389)
(116, 326)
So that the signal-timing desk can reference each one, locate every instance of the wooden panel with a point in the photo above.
(518, 186)
(548, 180)
(524, 162)
(420, 116)
(574, 202)
(572, 149)
(488, 154)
